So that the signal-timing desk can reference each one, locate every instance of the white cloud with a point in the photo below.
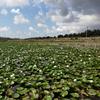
(56, 18)
(86, 19)
(3, 12)
(13, 3)
(41, 25)
(4, 29)
(70, 16)
(15, 11)
(31, 28)
(20, 19)
(40, 13)
(73, 27)
(73, 21)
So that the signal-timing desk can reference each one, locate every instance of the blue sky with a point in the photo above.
(34, 18)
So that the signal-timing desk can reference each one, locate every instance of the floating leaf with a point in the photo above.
(76, 95)
(91, 92)
(64, 93)
(16, 95)
(10, 92)
(47, 97)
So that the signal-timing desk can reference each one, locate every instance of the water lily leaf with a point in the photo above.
(20, 88)
(16, 95)
(91, 92)
(25, 98)
(64, 93)
(66, 88)
(47, 97)
(0, 97)
(10, 92)
(76, 95)
(46, 92)
(24, 91)
(98, 93)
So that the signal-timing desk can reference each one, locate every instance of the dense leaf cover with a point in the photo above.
(48, 72)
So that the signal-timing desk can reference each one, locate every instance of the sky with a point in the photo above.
(37, 18)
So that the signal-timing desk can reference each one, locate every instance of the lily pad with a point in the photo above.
(16, 95)
(76, 95)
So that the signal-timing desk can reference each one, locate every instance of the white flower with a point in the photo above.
(34, 66)
(40, 57)
(75, 80)
(3, 65)
(91, 81)
(89, 58)
(67, 66)
(66, 56)
(53, 62)
(40, 70)
(21, 71)
(53, 74)
(55, 66)
(84, 62)
(81, 60)
(83, 71)
(70, 60)
(0, 82)
(80, 55)
(12, 82)
(12, 75)
(60, 72)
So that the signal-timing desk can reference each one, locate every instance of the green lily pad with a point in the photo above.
(24, 91)
(47, 97)
(92, 92)
(64, 93)
(0, 97)
(25, 98)
(16, 95)
(10, 92)
(76, 95)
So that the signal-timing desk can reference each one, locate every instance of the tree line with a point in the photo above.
(87, 33)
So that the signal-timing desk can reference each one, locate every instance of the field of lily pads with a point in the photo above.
(48, 72)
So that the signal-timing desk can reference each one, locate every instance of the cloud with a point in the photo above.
(40, 13)
(36, 2)
(31, 29)
(67, 11)
(92, 21)
(72, 22)
(74, 15)
(4, 29)
(41, 25)
(15, 11)
(56, 17)
(13, 3)
(3, 12)
(60, 5)
(20, 19)
(86, 6)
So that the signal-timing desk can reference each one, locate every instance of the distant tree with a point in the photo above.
(66, 35)
(87, 33)
(60, 36)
